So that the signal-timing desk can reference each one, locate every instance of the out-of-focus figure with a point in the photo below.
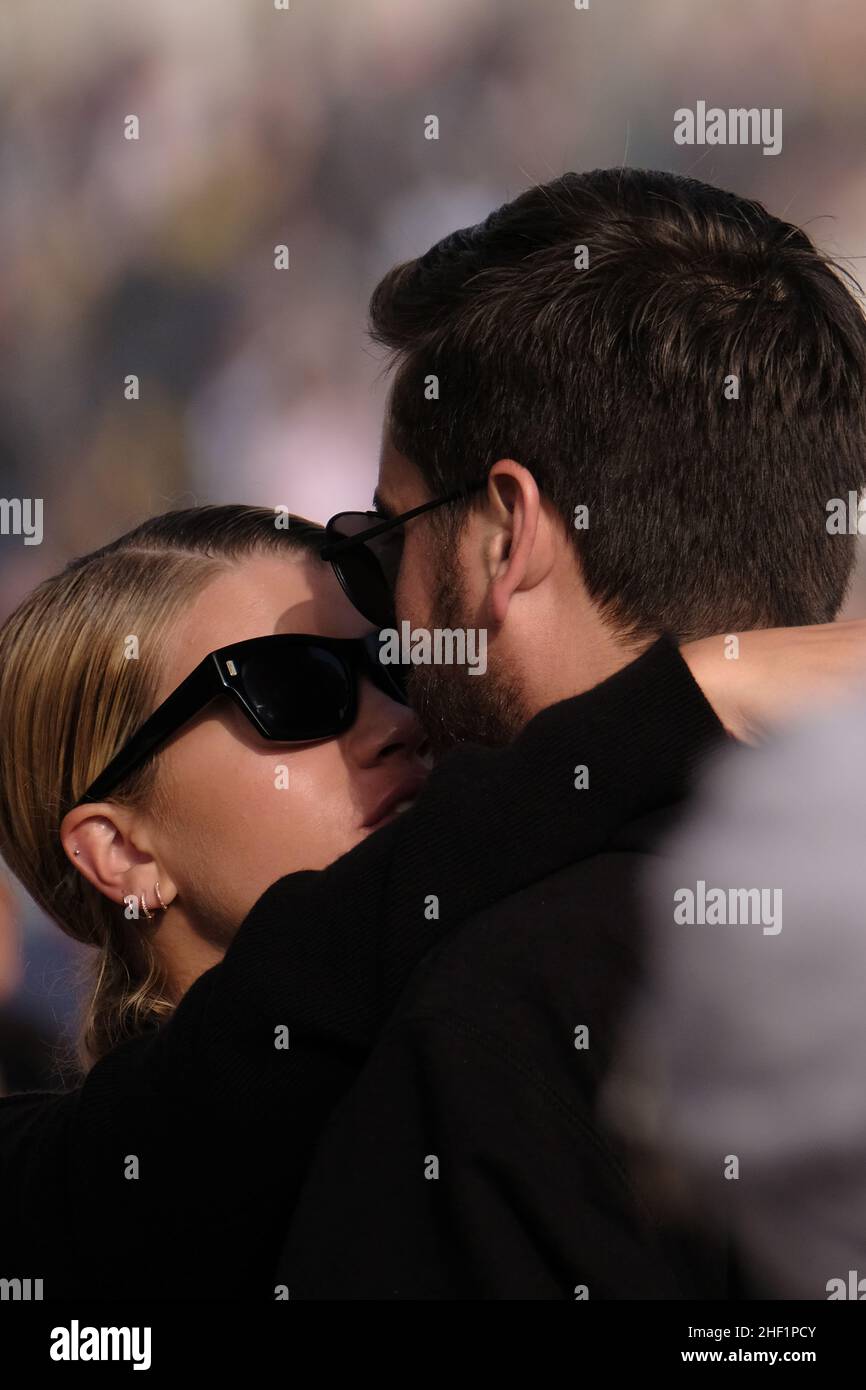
(25, 1055)
(747, 1063)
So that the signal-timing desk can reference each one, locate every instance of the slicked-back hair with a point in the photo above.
(69, 699)
(612, 384)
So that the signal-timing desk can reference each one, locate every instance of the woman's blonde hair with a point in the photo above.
(70, 696)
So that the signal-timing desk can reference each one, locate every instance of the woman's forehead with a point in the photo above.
(255, 597)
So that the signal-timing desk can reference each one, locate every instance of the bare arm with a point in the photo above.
(758, 680)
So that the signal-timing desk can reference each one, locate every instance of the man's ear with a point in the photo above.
(108, 845)
(519, 549)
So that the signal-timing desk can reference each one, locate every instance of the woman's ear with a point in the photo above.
(108, 845)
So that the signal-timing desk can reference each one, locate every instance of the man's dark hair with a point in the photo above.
(706, 514)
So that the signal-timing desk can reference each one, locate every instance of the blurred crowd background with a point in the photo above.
(306, 127)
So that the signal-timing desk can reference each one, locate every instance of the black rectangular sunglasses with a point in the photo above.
(365, 549)
(292, 687)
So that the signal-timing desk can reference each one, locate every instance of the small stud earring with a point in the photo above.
(76, 852)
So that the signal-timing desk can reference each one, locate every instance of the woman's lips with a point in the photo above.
(398, 798)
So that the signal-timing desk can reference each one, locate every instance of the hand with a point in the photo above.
(778, 674)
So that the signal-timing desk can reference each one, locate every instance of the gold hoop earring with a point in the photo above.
(163, 906)
(143, 900)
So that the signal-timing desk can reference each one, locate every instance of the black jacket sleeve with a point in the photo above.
(454, 1169)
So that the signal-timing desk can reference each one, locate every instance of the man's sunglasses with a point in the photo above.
(365, 549)
(292, 687)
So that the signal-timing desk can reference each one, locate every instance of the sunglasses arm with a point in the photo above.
(331, 549)
(334, 548)
(183, 704)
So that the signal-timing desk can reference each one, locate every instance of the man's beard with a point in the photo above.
(452, 705)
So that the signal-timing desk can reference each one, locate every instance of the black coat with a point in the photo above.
(220, 1124)
(469, 1160)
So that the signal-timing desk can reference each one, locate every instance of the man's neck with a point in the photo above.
(580, 666)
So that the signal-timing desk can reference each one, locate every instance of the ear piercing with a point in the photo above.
(143, 899)
(144, 908)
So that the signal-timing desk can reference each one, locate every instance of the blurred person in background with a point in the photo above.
(25, 1051)
(745, 1071)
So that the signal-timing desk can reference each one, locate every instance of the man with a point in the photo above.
(646, 394)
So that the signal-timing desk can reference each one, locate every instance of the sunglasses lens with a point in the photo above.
(304, 692)
(368, 572)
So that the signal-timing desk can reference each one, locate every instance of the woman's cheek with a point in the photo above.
(308, 814)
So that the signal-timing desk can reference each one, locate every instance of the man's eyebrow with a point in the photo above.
(381, 508)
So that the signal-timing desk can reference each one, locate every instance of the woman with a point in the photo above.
(185, 716)
(159, 871)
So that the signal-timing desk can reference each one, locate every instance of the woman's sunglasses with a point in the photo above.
(365, 550)
(293, 688)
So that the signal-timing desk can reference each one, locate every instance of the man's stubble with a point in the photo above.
(453, 705)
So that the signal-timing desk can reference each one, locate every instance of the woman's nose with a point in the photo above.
(383, 729)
